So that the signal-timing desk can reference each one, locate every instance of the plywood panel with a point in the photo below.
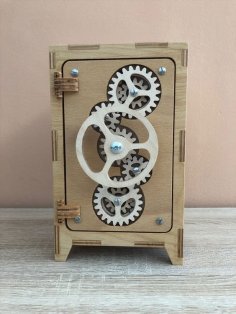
(93, 78)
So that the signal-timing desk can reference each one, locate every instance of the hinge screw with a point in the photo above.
(77, 219)
(159, 221)
(162, 70)
(74, 72)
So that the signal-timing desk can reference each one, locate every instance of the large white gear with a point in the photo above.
(121, 131)
(128, 211)
(138, 102)
(128, 168)
(136, 78)
(115, 141)
(112, 120)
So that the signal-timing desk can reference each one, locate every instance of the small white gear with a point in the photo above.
(136, 162)
(122, 131)
(143, 81)
(126, 212)
(112, 120)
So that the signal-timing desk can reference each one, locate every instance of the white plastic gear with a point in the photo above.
(122, 131)
(140, 162)
(134, 199)
(113, 118)
(122, 93)
(132, 76)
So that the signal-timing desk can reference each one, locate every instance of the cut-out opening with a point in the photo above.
(122, 91)
(138, 128)
(89, 148)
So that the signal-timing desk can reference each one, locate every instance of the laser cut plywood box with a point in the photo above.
(118, 139)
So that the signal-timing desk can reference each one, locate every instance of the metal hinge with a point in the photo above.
(65, 84)
(67, 211)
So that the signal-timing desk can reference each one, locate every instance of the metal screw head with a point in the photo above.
(117, 201)
(159, 221)
(133, 92)
(77, 219)
(162, 70)
(136, 170)
(107, 117)
(116, 147)
(74, 72)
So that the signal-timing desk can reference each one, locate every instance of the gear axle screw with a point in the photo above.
(133, 92)
(107, 117)
(162, 70)
(116, 147)
(136, 170)
(117, 201)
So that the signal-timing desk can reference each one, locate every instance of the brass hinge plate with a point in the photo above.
(67, 211)
(65, 84)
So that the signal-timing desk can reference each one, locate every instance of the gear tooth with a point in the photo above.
(131, 68)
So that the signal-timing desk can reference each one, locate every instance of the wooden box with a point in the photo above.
(118, 145)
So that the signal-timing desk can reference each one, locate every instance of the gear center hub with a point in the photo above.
(116, 147)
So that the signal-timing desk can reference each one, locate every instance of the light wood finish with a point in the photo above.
(80, 187)
(159, 205)
(117, 280)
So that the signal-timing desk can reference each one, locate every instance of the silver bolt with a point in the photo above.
(159, 221)
(74, 72)
(77, 219)
(107, 117)
(133, 92)
(162, 70)
(116, 147)
(117, 201)
(136, 170)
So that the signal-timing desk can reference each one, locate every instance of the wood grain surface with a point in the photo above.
(117, 280)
